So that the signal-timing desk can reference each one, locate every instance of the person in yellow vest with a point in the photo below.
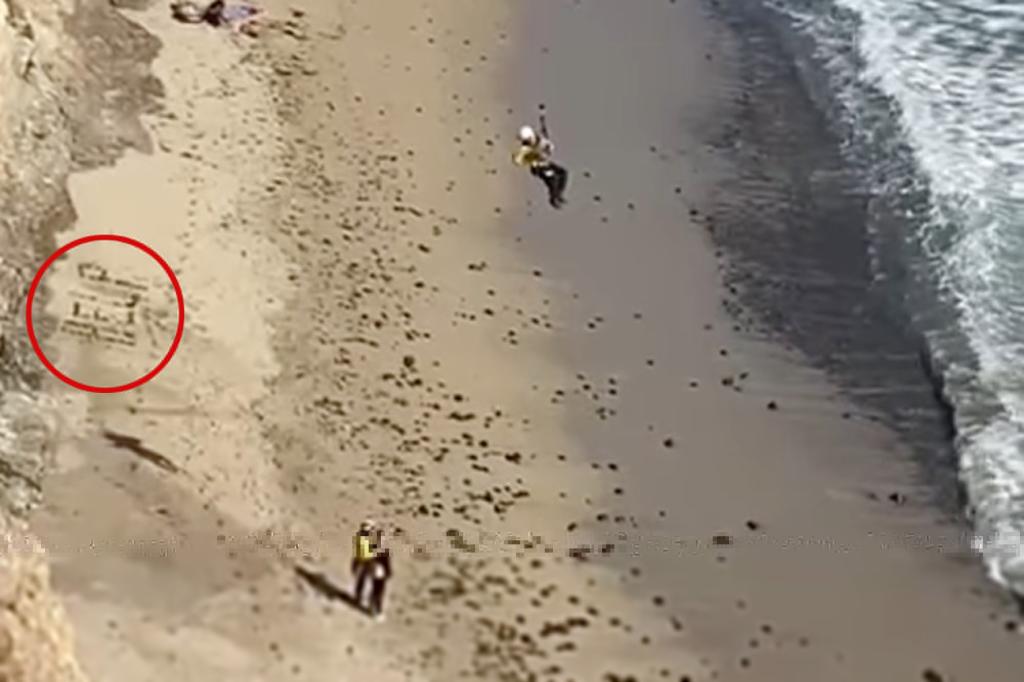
(365, 545)
(535, 152)
(534, 149)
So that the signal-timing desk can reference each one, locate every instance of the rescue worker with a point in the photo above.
(366, 542)
(535, 151)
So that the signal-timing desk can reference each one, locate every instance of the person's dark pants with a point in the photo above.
(377, 588)
(361, 570)
(555, 178)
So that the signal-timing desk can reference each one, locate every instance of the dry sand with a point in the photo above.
(383, 318)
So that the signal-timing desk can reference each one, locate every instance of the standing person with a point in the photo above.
(535, 151)
(365, 544)
(380, 574)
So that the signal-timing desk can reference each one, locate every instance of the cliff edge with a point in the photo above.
(74, 77)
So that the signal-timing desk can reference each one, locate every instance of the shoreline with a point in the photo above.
(823, 288)
(845, 460)
(509, 390)
(920, 271)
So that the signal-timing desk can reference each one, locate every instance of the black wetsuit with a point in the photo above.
(380, 574)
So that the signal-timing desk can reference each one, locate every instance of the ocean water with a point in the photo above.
(927, 97)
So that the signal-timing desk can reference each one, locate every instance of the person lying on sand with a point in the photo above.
(535, 152)
(239, 17)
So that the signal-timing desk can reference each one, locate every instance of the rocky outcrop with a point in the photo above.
(74, 78)
(35, 639)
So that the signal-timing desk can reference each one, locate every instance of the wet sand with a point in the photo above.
(798, 531)
(585, 473)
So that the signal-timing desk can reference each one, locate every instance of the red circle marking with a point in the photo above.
(177, 293)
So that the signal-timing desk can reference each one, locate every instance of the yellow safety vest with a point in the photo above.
(364, 548)
(533, 154)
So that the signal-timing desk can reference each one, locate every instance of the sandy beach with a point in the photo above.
(586, 466)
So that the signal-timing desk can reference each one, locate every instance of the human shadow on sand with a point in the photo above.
(327, 588)
(135, 446)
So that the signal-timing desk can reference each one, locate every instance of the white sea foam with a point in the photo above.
(954, 75)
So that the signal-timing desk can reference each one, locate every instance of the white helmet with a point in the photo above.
(527, 135)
